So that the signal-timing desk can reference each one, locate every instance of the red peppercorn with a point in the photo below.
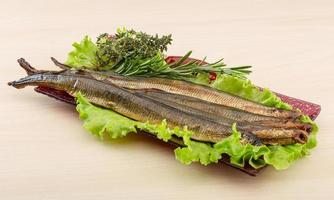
(212, 76)
(110, 37)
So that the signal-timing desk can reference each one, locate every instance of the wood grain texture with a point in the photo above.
(46, 154)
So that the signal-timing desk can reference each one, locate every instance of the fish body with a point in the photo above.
(218, 111)
(133, 98)
(277, 131)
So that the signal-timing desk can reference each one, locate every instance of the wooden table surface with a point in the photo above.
(46, 154)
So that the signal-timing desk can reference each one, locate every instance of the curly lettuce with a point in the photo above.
(101, 121)
(84, 54)
(279, 156)
(242, 88)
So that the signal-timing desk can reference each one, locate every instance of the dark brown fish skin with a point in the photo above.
(276, 132)
(130, 105)
(193, 90)
(222, 112)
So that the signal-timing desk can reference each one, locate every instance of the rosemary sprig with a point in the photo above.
(157, 67)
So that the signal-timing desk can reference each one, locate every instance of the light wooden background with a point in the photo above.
(46, 154)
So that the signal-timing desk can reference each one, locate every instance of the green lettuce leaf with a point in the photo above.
(242, 88)
(239, 153)
(84, 54)
(281, 157)
(196, 152)
(99, 121)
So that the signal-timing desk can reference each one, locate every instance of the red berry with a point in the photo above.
(212, 76)
(110, 37)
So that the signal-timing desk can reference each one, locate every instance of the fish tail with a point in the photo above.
(59, 64)
(27, 67)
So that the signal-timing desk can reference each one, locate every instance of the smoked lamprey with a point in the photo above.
(142, 108)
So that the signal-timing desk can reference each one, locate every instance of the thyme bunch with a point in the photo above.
(129, 45)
